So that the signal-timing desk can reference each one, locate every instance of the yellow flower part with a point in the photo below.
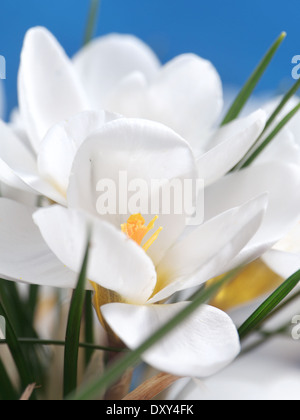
(136, 229)
(255, 280)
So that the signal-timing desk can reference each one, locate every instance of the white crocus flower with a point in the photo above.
(120, 269)
(135, 282)
(70, 158)
(51, 92)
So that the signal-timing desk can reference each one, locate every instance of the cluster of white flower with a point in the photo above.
(114, 108)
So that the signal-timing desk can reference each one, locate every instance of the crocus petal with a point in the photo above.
(11, 161)
(115, 263)
(270, 373)
(284, 148)
(187, 96)
(106, 61)
(21, 196)
(49, 89)
(283, 263)
(203, 254)
(24, 255)
(280, 181)
(59, 147)
(202, 345)
(229, 145)
(128, 95)
(124, 152)
(18, 167)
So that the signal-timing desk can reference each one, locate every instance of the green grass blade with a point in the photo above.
(73, 329)
(271, 119)
(20, 313)
(252, 82)
(32, 301)
(92, 20)
(116, 370)
(16, 351)
(59, 343)
(271, 137)
(264, 310)
(282, 104)
(89, 325)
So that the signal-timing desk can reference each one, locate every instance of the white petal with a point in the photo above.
(59, 147)
(125, 151)
(14, 156)
(128, 96)
(18, 167)
(187, 96)
(271, 373)
(283, 263)
(204, 253)
(106, 61)
(201, 346)
(49, 90)
(229, 145)
(24, 255)
(284, 148)
(115, 262)
(21, 196)
(280, 181)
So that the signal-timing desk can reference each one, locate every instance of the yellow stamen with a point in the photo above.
(136, 230)
(153, 238)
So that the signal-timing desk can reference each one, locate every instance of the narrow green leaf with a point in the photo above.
(116, 370)
(73, 329)
(270, 137)
(32, 301)
(252, 82)
(20, 313)
(89, 325)
(261, 314)
(282, 104)
(59, 343)
(92, 20)
(16, 351)
(271, 119)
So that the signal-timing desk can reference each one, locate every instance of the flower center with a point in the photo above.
(136, 229)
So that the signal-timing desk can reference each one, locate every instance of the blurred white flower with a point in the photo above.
(284, 257)
(186, 96)
(268, 372)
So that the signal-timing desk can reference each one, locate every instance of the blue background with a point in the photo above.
(233, 34)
